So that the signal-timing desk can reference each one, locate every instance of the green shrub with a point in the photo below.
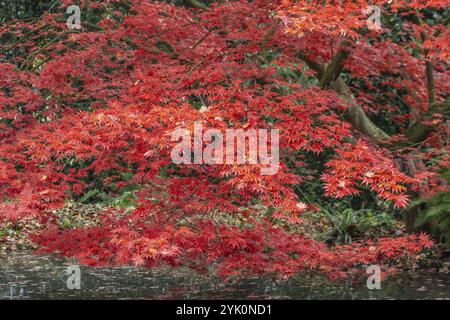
(436, 217)
(348, 225)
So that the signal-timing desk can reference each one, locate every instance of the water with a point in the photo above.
(27, 276)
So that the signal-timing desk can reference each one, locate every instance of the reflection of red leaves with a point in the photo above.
(232, 250)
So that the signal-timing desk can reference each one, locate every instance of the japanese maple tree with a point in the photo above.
(82, 109)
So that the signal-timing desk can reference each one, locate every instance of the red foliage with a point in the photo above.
(106, 102)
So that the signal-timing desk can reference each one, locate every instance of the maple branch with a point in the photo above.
(34, 54)
(23, 38)
(313, 65)
(31, 19)
(358, 116)
(91, 26)
(204, 37)
(430, 82)
(428, 64)
(331, 78)
(420, 130)
(124, 4)
(359, 119)
(334, 69)
(196, 4)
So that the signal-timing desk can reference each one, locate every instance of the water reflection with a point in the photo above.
(26, 276)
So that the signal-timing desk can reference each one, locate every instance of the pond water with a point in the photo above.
(27, 276)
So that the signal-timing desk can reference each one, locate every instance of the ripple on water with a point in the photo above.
(27, 276)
